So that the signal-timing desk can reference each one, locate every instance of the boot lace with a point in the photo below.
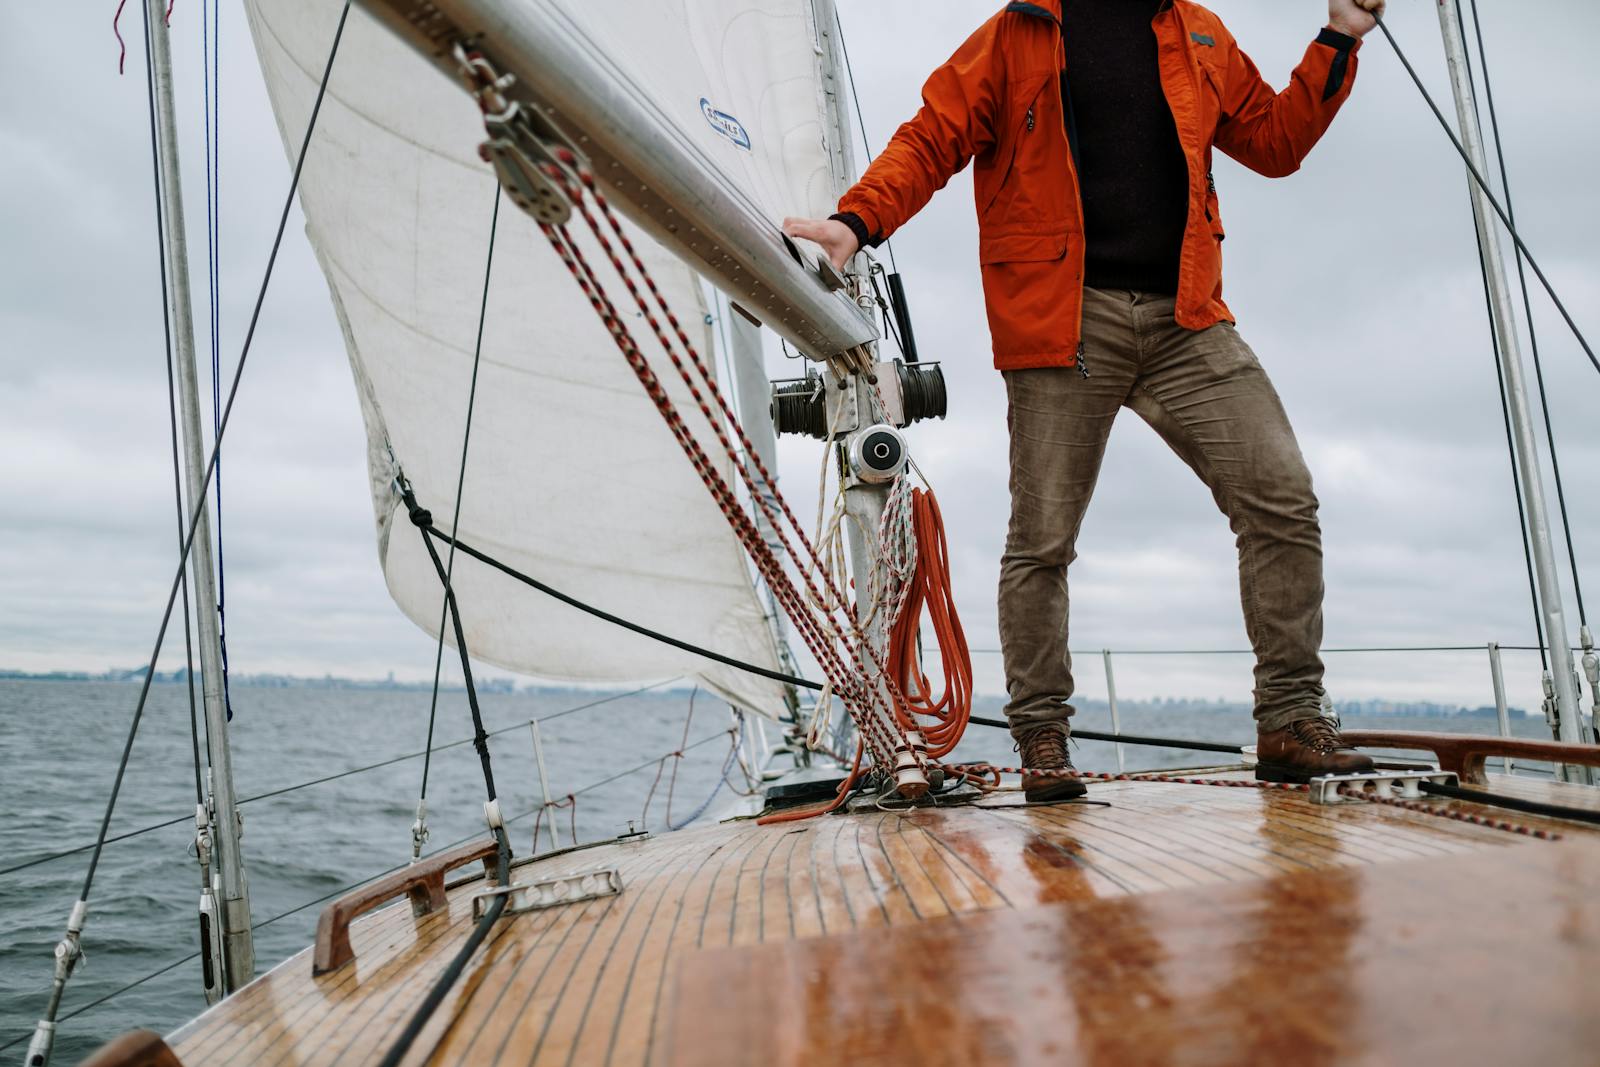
(1318, 734)
(1045, 749)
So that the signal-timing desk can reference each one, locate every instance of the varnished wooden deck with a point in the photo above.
(746, 944)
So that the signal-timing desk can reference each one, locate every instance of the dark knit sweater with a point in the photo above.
(1131, 170)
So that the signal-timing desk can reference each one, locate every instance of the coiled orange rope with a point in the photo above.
(941, 721)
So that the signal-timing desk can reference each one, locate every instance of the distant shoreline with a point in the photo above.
(1405, 709)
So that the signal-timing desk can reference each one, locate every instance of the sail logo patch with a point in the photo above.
(725, 124)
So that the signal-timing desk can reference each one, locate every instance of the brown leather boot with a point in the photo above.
(1044, 748)
(1304, 750)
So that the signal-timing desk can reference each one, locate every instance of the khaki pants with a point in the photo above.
(1206, 395)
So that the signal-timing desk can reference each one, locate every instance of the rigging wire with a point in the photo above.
(461, 479)
(1482, 183)
(861, 121)
(1527, 303)
(211, 463)
(480, 741)
(172, 415)
(617, 620)
(296, 787)
(280, 916)
(211, 82)
(1500, 372)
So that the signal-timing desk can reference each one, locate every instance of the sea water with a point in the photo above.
(60, 742)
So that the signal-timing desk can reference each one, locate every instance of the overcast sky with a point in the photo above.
(1356, 281)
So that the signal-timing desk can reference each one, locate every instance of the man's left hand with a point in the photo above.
(1354, 17)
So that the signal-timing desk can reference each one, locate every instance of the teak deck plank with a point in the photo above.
(1372, 964)
(596, 982)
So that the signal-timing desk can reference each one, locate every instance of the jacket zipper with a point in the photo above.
(1030, 120)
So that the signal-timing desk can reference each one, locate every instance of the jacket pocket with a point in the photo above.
(1024, 120)
(1210, 86)
(1021, 247)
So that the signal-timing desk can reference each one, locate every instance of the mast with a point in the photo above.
(228, 882)
(1561, 680)
(864, 500)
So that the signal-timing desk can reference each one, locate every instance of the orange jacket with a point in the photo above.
(1000, 101)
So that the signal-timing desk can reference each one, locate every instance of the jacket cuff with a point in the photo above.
(1343, 42)
(1343, 46)
(864, 237)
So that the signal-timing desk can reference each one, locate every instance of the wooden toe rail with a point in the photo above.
(1465, 753)
(423, 882)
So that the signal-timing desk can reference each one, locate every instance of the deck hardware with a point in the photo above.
(552, 892)
(524, 144)
(422, 883)
(1111, 701)
(1382, 785)
(419, 830)
(544, 786)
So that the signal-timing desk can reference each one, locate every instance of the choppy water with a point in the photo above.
(59, 744)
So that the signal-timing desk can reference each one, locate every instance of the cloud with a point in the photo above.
(1356, 281)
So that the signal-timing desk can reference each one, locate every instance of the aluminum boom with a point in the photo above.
(660, 179)
(1526, 454)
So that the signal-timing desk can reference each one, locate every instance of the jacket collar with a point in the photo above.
(1051, 9)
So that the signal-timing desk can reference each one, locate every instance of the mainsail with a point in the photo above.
(571, 475)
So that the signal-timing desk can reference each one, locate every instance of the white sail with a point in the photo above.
(572, 476)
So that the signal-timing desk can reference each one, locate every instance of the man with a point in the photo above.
(1092, 124)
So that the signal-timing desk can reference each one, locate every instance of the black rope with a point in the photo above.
(211, 464)
(1500, 800)
(778, 676)
(1527, 306)
(461, 480)
(172, 402)
(1500, 373)
(1128, 739)
(1488, 194)
(452, 973)
(447, 980)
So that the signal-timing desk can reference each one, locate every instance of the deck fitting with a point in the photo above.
(1379, 785)
(552, 892)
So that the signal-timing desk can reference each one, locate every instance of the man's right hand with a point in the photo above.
(837, 240)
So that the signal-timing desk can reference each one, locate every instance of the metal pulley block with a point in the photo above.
(534, 161)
